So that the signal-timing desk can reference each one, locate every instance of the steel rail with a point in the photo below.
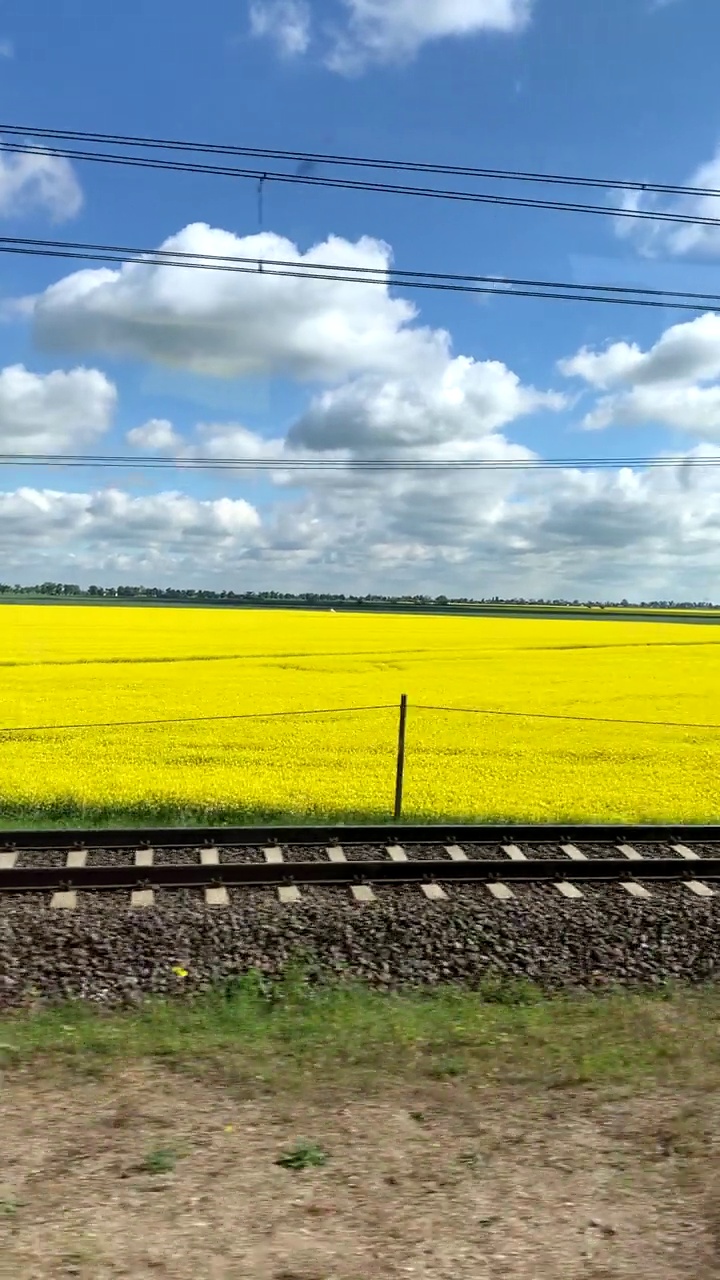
(259, 875)
(381, 834)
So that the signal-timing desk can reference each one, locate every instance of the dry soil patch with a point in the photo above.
(444, 1180)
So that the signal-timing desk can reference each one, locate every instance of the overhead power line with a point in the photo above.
(507, 286)
(281, 464)
(307, 179)
(354, 161)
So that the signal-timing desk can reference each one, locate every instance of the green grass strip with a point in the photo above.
(288, 1032)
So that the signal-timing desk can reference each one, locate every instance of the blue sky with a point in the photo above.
(607, 88)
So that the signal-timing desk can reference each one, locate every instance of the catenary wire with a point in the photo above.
(179, 257)
(353, 184)
(505, 286)
(365, 162)
(354, 464)
(359, 275)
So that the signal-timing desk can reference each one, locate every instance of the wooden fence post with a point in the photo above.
(400, 774)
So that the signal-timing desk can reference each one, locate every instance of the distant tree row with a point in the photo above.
(67, 590)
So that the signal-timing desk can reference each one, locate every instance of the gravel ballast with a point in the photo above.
(107, 953)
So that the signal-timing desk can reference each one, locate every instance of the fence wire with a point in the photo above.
(244, 715)
(548, 715)
(336, 711)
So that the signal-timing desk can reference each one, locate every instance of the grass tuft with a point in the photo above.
(304, 1155)
(278, 1034)
(163, 1160)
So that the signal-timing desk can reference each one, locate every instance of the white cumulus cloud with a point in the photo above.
(693, 409)
(38, 181)
(451, 408)
(286, 22)
(666, 385)
(685, 352)
(53, 412)
(362, 32)
(394, 390)
(47, 526)
(157, 435)
(394, 30)
(658, 239)
(225, 324)
(586, 535)
(232, 440)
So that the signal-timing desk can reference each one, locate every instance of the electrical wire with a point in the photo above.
(351, 184)
(365, 162)
(350, 464)
(387, 277)
(181, 256)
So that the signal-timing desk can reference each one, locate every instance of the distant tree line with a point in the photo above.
(191, 595)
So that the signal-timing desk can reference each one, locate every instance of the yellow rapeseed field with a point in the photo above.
(74, 665)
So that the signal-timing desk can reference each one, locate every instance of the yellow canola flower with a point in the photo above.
(179, 971)
(106, 663)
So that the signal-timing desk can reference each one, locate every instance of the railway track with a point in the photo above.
(361, 861)
(557, 906)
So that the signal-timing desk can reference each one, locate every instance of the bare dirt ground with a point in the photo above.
(147, 1173)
